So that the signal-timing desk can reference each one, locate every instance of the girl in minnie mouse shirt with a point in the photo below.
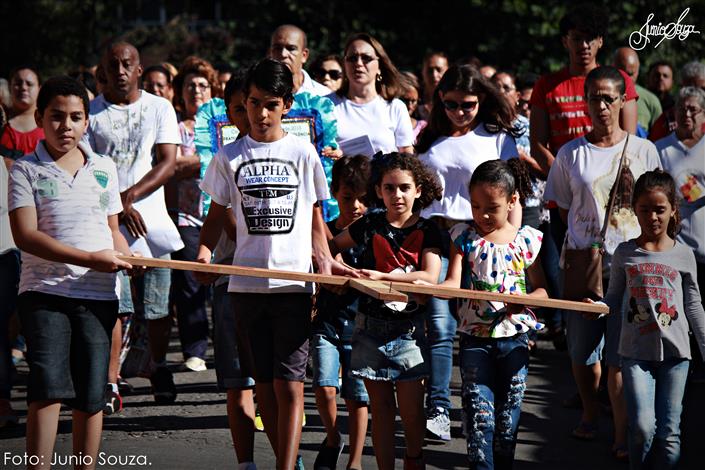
(657, 275)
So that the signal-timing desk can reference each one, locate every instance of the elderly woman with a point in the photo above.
(581, 180)
(370, 116)
(196, 83)
(683, 156)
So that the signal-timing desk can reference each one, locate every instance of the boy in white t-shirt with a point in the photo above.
(273, 181)
(64, 204)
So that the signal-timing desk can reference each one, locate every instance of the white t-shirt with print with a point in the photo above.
(6, 242)
(454, 160)
(581, 179)
(310, 85)
(73, 210)
(385, 123)
(687, 167)
(272, 188)
(128, 134)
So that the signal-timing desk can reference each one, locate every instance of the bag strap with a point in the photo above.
(613, 194)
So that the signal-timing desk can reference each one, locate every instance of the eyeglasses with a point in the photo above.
(365, 58)
(465, 105)
(409, 101)
(199, 86)
(334, 74)
(607, 99)
(692, 110)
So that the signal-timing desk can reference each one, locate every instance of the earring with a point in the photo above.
(379, 77)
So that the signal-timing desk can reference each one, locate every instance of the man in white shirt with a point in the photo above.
(129, 125)
(288, 45)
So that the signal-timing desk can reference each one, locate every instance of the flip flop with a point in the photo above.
(620, 453)
(585, 431)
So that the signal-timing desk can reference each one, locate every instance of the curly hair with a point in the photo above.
(196, 66)
(659, 179)
(511, 175)
(424, 178)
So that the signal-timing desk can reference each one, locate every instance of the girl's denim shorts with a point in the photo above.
(389, 350)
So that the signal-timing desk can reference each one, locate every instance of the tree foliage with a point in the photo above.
(61, 35)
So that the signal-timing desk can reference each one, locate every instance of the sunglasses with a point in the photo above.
(366, 59)
(465, 105)
(333, 74)
(607, 99)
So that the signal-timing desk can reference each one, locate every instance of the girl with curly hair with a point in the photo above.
(388, 343)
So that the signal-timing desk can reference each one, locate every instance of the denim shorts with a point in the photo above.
(227, 359)
(590, 340)
(329, 354)
(273, 333)
(152, 290)
(68, 348)
(389, 350)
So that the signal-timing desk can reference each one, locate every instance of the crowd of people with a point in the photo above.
(578, 184)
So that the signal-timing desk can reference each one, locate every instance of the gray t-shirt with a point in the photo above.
(660, 296)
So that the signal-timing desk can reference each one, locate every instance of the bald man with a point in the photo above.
(648, 105)
(127, 124)
(288, 45)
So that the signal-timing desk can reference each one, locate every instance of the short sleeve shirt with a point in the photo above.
(580, 181)
(73, 210)
(272, 188)
(687, 166)
(562, 97)
(497, 268)
(386, 123)
(389, 249)
(454, 160)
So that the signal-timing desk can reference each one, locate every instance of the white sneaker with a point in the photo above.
(195, 364)
(438, 423)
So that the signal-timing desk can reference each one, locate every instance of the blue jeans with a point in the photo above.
(10, 275)
(654, 393)
(152, 292)
(493, 372)
(550, 256)
(188, 296)
(441, 326)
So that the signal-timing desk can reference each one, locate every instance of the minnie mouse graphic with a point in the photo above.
(665, 314)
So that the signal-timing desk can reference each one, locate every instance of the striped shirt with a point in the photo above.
(73, 210)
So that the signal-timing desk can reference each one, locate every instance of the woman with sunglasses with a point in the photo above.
(470, 122)
(370, 117)
(328, 70)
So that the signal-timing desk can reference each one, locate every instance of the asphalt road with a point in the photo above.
(193, 432)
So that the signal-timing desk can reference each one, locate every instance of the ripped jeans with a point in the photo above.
(493, 372)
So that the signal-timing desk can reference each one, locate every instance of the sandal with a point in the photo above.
(620, 453)
(585, 431)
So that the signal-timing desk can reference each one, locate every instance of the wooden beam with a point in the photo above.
(494, 296)
(377, 289)
(383, 290)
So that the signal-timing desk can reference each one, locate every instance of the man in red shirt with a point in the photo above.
(558, 106)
